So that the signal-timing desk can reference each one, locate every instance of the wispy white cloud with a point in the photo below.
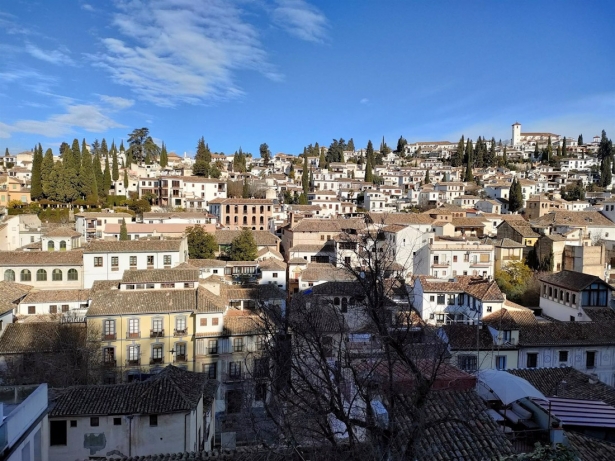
(89, 117)
(33, 80)
(10, 25)
(57, 57)
(181, 51)
(299, 18)
(116, 101)
(364, 101)
(87, 7)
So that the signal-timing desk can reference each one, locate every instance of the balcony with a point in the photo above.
(441, 264)
(136, 335)
(177, 332)
(110, 337)
(181, 358)
(109, 363)
(156, 333)
(133, 363)
(156, 361)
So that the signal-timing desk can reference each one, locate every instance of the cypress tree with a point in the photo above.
(491, 157)
(427, 180)
(46, 168)
(469, 154)
(106, 178)
(505, 157)
(6, 152)
(164, 156)
(322, 160)
(549, 150)
(98, 174)
(558, 151)
(291, 171)
(580, 140)
(36, 186)
(115, 171)
(89, 188)
(305, 184)
(126, 181)
(76, 151)
(536, 152)
(104, 151)
(459, 156)
(124, 231)
(515, 201)
(564, 148)
(369, 162)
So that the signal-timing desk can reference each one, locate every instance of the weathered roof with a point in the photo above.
(160, 276)
(521, 226)
(204, 263)
(573, 218)
(479, 288)
(21, 338)
(172, 390)
(10, 294)
(589, 448)
(571, 280)
(115, 302)
(50, 296)
(62, 232)
(272, 265)
(322, 272)
(41, 258)
(133, 246)
(226, 237)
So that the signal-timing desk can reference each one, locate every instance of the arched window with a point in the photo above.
(51, 246)
(253, 220)
(73, 274)
(228, 219)
(336, 301)
(262, 220)
(41, 275)
(344, 305)
(62, 245)
(245, 220)
(25, 276)
(9, 275)
(56, 275)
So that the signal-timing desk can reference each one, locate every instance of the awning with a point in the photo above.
(505, 387)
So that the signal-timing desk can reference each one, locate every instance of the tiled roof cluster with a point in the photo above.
(570, 280)
(115, 302)
(479, 288)
(573, 218)
(10, 294)
(262, 238)
(172, 390)
(522, 227)
(589, 448)
(62, 232)
(50, 296)
(39, 337)
(324, 272)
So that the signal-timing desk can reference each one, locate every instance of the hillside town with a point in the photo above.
(439, 300)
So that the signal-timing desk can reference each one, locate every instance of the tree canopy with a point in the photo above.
(201, 244)
(243, 247)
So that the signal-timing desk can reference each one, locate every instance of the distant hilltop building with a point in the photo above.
(519, 138)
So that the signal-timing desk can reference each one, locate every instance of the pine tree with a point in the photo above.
(401, 145)
(580, 140)
(47, 166)
(305, 184)
(164, 156)
(115, 171)
(106, 178)
(202, 159)
(36, 185)
(265, 153)
(369, 162)
(243, 247)
(124, 231)
(564, 148)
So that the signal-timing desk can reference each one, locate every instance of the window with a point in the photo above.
(595, 295)
(238, 345)
(203, 322)
(261, 367)
(98, 261)
(117, 421)
(590, 359)
(440, 318)
(214, 321)
(180, 325)
(188, 284)
(133, 261)
(9, 275)
(133, 355)
(25, 276)
(73, 274)
(115, 263)
(212, 346)
(166, 260)
(31, 309)
(57, 433)
(153, 420)
(53, 309)
(532, 360)
(344, 305)
(234, 370)
(51, 245)
(432, 299)
(180, 351)
(467, 362)
(150, 260)
(108, 355)
(157, 326)
(260, 392)
(211, 369)
(157, 353)
(62, 245)
(275, 275)
(41, 275)
(500, 362)
(133, 328)
(261, 343)
(56, 275)
(64, 307)
(94, 421)
(563, 356)
(454, 258)
(167, 285)
(441, 299)
(109, 329)
(73, 423)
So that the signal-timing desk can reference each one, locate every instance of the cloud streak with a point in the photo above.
(181, 51)
(56, 57)
(299, 18)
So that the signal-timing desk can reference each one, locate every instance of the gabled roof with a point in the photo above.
(41, 258)
(36, 337)
(170, 391)
(262, 238)
(479, 288)
(10, 294)
(571, 280)
(160, 275)
(132, 246)
(116, 302)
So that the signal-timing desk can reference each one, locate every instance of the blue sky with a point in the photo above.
(294, 72)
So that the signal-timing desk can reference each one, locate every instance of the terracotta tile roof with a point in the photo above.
(258, 292)
(262, 238)
(468, 222)
(522, 227)
(272, 265)
(99, 285)
(50, 296)
(325, 247)
(466, 432)
(571, 280)
(243, 201)
(589, 448)
(317, 225)
(463, 337)
(133, 246)
(62, 232)
(104, 215)
(503, 243)
(479, 288)
(241, 323)
(21, 338)
(160, 275)
(10, 294)
(208, 302)
(321, 272)
(41, 258)
(170, 391)
(573, 218)
(400, 218)
(263, 251)
(578, 385)
(203, 263)
(510, 319)
(116, 302)
(566, 334)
